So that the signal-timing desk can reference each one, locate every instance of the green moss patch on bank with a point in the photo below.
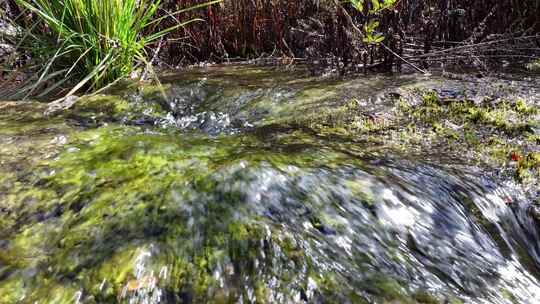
(501, 132)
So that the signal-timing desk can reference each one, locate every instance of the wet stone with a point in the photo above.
(250, 185)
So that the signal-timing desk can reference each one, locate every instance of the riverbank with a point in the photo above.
(56, 57)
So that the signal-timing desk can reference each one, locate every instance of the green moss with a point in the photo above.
(88, 212)
(152, 91)
(512, 121)
(523, 108)
(534, 139)
(386, 289)
(17, 290)
(326, 117)
(454, 300)
(445, 132)
(425, 298)
(12, 290)
(471, 138)
(331, 288)
(528, 166)
(430, 98)
(493, 130)
(101, 109)
(509, 296)
(101, 104)
(238, 231)
(499, 150)
(102, 188)
(262, 293)
(363, 190)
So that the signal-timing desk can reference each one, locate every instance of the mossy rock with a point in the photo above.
(100, 109)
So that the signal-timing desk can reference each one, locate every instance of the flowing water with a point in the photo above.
(217, 195)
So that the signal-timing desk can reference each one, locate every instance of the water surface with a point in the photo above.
(227, 191)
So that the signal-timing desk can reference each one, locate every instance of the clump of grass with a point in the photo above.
(96, 42)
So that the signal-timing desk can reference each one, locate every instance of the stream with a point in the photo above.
(225, 190)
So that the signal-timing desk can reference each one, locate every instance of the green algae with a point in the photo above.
(362, 189)
(389, 290)
(488, 132)
(83, 218)
(13, 290)
(99, 187)
(100, 104)
(528, 166)
(435, 119)
(100, 109)
(498, 130)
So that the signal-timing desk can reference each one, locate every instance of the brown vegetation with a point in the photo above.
(327, 30)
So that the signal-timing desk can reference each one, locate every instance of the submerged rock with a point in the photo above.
(61, 105)
(301, 192)
(98, 110)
